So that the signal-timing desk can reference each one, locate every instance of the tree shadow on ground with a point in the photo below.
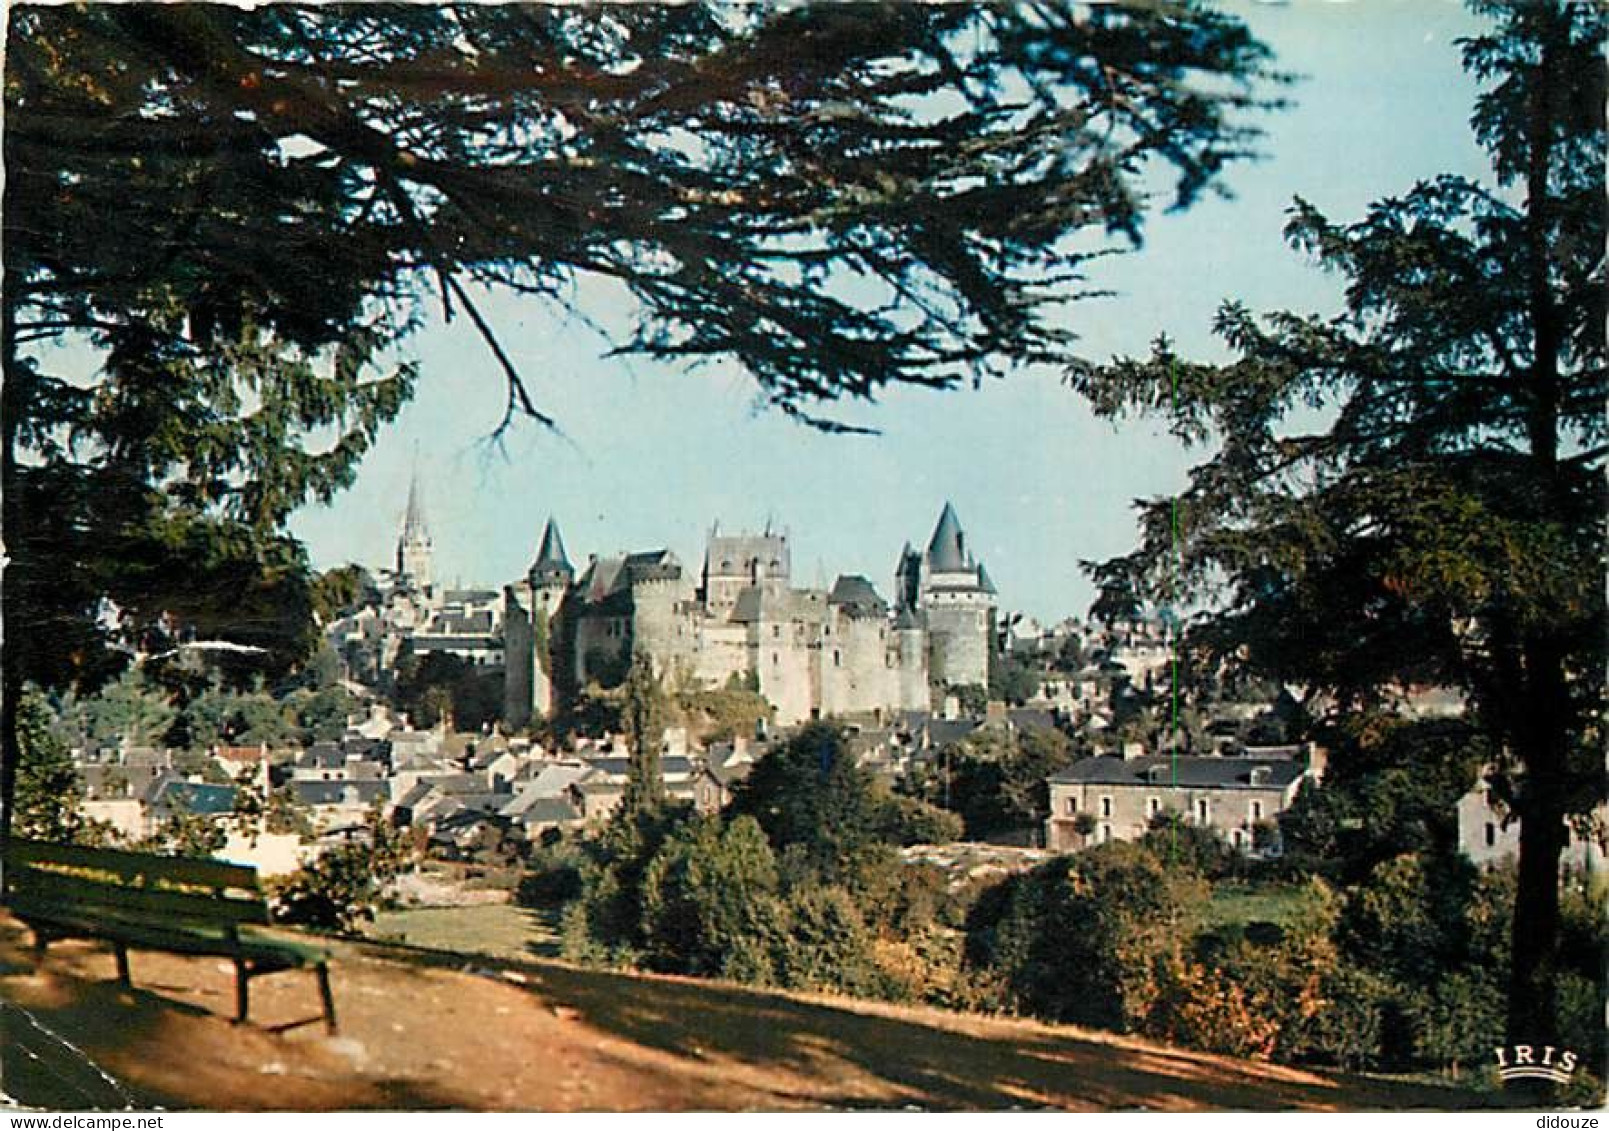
(940, 1066)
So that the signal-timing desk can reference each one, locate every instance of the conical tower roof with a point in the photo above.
(946, 550)
(552, 563)
(551, 554)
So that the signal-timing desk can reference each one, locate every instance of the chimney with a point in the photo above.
(1317, 760)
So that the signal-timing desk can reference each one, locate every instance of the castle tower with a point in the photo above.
(414, 551)
(531, 633)
(552, 567)
(957, 603)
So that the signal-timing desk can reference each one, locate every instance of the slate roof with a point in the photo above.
(551, 782)
(461, 624)
(947, 732)
(733, 555)
(549, 811)
(335, 792)
(550, 556)
(619, 767)
(1189, 771)
(322, 756)
(986, 583)
(1031, 718)
(857, 595)
(241, 753)
(946, 550)
(199, 798)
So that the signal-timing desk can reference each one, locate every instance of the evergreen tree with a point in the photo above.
(1447, 524)
(49, 792)
(642, 717)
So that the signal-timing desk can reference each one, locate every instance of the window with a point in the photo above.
(1491, 834)
(1256, 810)
(776, 658)
(1106, 834)
(1072, 804)
(1106, 806)
(776, 631)
(1201, 811)
(837, 660)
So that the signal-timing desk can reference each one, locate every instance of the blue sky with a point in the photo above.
(652, 455)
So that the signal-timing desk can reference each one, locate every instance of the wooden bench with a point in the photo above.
(138, 901)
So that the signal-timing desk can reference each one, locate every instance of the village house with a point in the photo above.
(1117, 798)
(1489, 835)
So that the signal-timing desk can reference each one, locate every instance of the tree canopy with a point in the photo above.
(298, 168)
(242, 211)
(1445, 522)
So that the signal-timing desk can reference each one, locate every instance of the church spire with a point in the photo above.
(413, 547)
(413, 524)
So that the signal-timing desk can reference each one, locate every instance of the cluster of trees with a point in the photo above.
(441, 688)
(1406, 969)
(798, 883)
(995, 780)
(140, 709)
(1445, 522)
(1400, 966)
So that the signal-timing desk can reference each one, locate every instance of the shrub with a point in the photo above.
(1086, 938)
(708, 900)
(827, 946)
(340, 888)
(1202, 1007)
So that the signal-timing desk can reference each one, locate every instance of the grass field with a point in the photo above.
(498, 930)
(1238, 904)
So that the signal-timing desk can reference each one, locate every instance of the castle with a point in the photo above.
(811, 652)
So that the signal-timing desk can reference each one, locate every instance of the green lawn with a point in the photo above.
(1239, 903)
(498, 930)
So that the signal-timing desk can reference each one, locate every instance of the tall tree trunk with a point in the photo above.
(10, 671)
(1542, 741)
(1542, 731)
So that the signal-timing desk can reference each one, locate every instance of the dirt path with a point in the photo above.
(422, 1031)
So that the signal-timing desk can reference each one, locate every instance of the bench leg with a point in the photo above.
(122, 965)
(326, 997)
(242, 991)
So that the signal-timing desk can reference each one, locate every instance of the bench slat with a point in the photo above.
(135, 867)
(38, 888)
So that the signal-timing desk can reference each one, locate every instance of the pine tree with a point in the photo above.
(1446, 525)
